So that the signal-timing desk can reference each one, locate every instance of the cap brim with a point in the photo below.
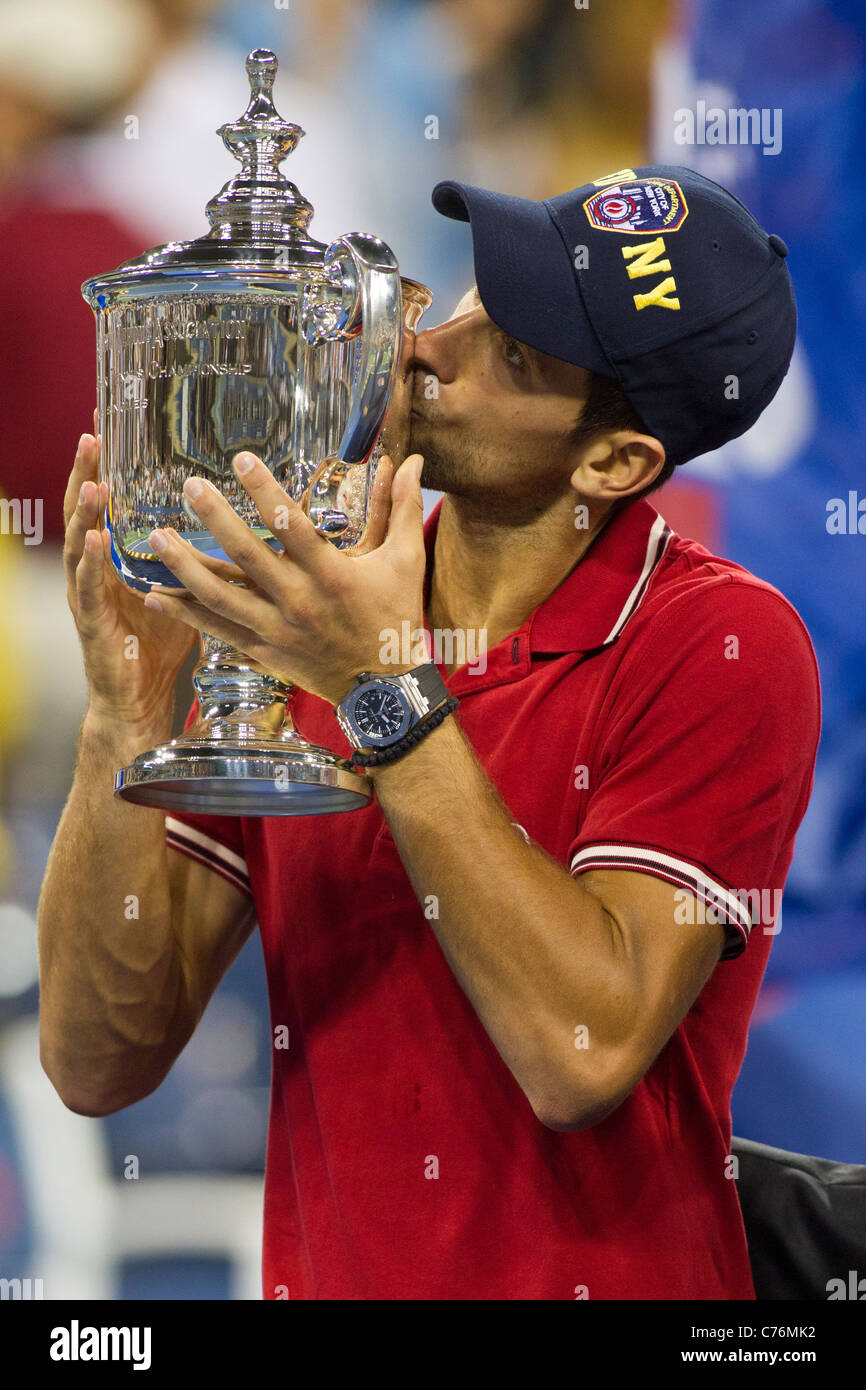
(524, 274)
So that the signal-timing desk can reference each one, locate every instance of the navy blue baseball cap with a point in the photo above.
(656, 277)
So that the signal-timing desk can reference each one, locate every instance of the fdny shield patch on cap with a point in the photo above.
(639, 206)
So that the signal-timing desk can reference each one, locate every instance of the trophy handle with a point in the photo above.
(365, 272)
(371, 280)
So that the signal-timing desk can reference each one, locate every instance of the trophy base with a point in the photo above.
(243, 779)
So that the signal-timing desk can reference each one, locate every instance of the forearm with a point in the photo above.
(111, 979)
(535, 954)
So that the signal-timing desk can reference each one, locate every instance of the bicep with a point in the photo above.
(664, 961)
(212, 919)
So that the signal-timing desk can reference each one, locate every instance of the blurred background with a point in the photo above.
(108, 110)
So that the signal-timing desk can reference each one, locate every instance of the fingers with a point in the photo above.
(84, 469)
(224, 569)
(406, 523)
(89, 583)
(85, 516)
(378, 510)
(228, 601)
(250, 552)
(203, 619)
(281, 514)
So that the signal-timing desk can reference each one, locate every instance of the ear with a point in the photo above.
(614, 466)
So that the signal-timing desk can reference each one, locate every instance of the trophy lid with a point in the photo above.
(259, 202)
(259, 219)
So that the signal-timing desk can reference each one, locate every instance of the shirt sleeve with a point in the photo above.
(705, 763)
(216, 841)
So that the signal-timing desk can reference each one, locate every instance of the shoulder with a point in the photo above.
(712, 638)
(696, 595)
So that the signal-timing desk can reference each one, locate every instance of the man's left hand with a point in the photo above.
(311, 614)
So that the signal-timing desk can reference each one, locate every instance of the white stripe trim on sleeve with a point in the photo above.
(207, 850)
(669, 867)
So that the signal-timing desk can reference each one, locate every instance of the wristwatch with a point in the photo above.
(381, 710)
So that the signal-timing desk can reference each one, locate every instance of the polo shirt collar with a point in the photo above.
(592, 605)
(594, 602)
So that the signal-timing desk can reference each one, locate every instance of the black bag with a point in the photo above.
(805, 1221)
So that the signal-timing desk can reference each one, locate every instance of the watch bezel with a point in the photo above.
(349, 705)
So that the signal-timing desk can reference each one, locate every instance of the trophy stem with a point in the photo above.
(242, 755)
(238, 700)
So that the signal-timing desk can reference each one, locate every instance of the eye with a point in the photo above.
(514, 352)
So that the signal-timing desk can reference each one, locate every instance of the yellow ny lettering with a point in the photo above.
(643, 262)
(645, 265)
(658, 295)
(619, 177)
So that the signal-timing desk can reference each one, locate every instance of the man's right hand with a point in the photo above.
(129, 682)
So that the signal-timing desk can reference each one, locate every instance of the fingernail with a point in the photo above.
(158, 541)
(193, 487)
(245, 463)
(419, 468)
(80, 445)
(154, 603)
(82, 496)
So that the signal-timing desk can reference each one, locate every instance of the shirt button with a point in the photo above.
(515, 650)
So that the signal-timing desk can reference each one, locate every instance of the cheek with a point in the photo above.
(525, 424)
(527, 443)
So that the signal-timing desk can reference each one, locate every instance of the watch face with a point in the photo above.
(379, 712)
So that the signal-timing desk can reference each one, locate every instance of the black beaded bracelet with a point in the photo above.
(396, 750)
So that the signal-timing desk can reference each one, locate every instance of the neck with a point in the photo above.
(491, 571)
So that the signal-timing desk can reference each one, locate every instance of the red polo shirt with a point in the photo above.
(660, 712)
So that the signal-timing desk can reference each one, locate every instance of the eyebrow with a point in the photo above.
(533, 353)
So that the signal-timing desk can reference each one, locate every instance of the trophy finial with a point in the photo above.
(260, 139)
(261, 135)
(261, 70)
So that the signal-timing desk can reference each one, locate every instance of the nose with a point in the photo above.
(439, 351)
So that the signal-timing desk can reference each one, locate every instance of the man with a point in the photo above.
(510, 997)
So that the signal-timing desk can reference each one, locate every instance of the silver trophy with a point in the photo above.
(256, 337)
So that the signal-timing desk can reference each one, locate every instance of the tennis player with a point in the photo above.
(510, 997)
